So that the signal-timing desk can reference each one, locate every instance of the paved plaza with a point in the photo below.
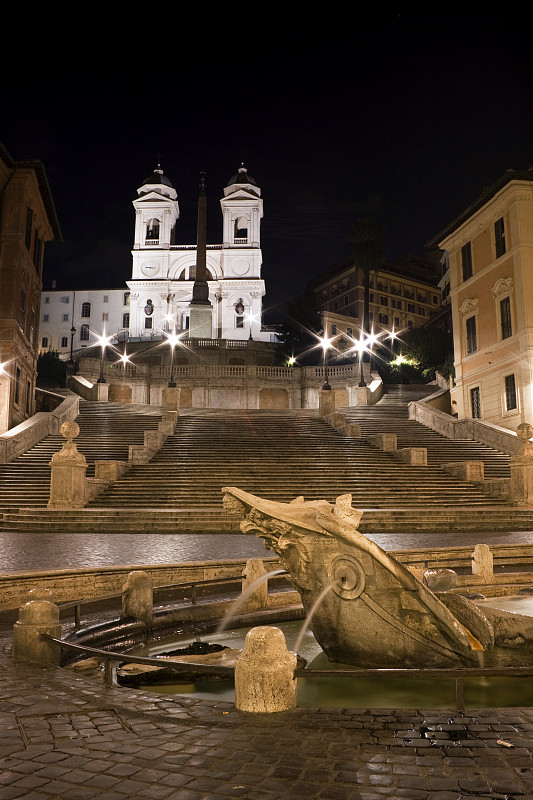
(65, 736)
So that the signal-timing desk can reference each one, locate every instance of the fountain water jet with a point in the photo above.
(309, 617)
(242, 599)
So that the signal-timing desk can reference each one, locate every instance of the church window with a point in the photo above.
(86, 309)
(126, 320)
(84, 332)
(240, 233)
(64, 341)
(152, 230)
(239, 322)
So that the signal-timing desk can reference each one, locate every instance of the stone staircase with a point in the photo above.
(106, 431)
(278, 455)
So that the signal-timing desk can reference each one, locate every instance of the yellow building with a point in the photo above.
(489, 250)
(27, 222)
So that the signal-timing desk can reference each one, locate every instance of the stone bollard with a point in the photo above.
(353, 430)
(483, 563)
(521, 466)
(253, 572)
(264, 670)
(326, 402)
(68, 482)
(39, 615)
(119, 393)
(138, 597)
(167, 425)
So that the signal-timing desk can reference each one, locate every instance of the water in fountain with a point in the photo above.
(309, 617)
(241, 600)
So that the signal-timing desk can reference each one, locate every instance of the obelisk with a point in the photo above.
(200, 309)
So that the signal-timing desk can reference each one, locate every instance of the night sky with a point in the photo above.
(401, 117)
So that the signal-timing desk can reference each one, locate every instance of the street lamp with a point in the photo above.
(173, 339)
(124, 359)
(325, 344)
(103, 341)
(72, 334)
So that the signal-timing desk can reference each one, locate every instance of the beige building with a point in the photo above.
(489, 251)
(402, 295)
(27, 221)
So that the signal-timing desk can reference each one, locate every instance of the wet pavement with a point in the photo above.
(66, 736)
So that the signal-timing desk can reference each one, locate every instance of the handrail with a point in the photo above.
(110, 657)
(458, 674)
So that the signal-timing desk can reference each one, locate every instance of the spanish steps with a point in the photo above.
(275, 454)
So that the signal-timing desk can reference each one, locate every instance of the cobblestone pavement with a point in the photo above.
(64, 736)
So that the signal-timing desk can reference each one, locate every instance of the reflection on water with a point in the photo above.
(43, 551)
(517, 603)
(354, 692)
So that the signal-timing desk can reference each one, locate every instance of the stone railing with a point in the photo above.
(33, 430)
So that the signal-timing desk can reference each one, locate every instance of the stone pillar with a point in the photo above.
(138, 597)
(353, 430)
(326, 402)
(68, 483)
(253, 572)
(119, 393)
(264, 670)
(38, 615)
(168, 423)
(483, 563)
(521, 465)
(171, 398)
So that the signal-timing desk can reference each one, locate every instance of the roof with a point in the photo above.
(157, 177)
(242, 176)
(44, 187)
(487, 194)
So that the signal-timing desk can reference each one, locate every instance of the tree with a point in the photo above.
(298, 333)
(51, 370)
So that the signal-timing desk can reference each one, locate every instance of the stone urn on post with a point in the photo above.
(521, 465)
(68, 482)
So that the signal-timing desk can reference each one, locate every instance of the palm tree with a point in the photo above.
(368, 254)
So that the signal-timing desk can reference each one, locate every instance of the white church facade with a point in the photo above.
(159, 293)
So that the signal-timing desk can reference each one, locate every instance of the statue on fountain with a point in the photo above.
(376, 612)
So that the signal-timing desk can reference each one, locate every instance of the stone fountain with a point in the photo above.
(376, 612)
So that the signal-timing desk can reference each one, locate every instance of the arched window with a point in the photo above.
(44, 341)
(126, 299)
(240, 232)
(125, 320)
(86, 309)
(152, 229)
(64, 341)
(84, 333)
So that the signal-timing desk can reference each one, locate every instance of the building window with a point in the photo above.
(383, 319)
(64, 341)
(46, 317)
(105, 317)
(84, 333)
(239, 322)
(29, 228)
(383, 301)
(22, 312)
(106, 298)
(396, 303)
(346, 299)
(148, 323)
(411, 308)
(505, 318)
(86, 309)
(126, 299)
(126, 320)
(65, 317)
(152, 230)
(510, 393)
(475, 403)
(499, 237)
(466, 260)
(333, 330)
(37, 253)
(28, 397)
(422, 311)
(44, 341)
(65, 299)
(471, 336)
(47, 300)
(435, 299)
(17, 386)
(396, 322)
(348, 331)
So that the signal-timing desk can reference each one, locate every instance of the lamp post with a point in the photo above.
(124, 359)
(72, 334)
(325, 343)
(173, 339)
(361, 348)
(103, 341)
